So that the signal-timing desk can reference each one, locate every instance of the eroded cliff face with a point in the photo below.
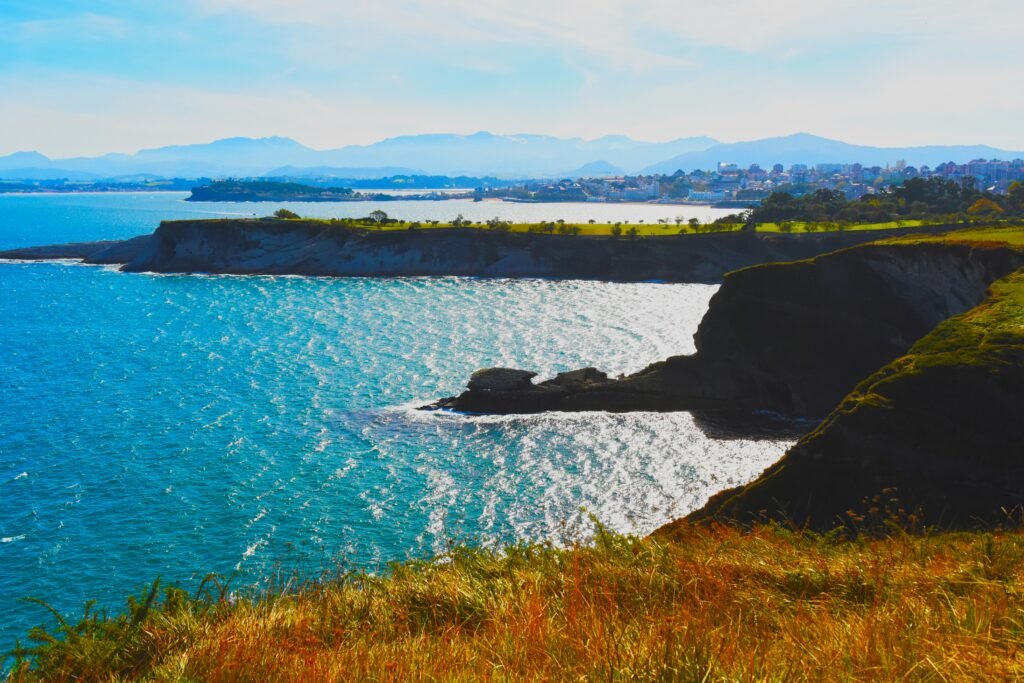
(322, 248)
(798, 337)
(937, 433)
(791, 338)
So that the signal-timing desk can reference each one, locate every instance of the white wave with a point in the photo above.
(12, 539)
(51, 261)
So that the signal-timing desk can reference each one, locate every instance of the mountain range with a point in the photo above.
(477, 154)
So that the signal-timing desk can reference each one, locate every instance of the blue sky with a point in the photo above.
(82, 77)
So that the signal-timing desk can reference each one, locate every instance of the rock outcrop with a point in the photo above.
(791, 338)
(99, 253)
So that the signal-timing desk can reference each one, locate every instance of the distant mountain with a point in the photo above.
(230, 156)
(595, 169)
(509, 155)
(439, 154)
(47, 173)
(480, 154)
(803, 148)
(340, 172)
(23, 160)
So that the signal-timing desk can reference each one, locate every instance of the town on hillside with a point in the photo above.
(729, 183)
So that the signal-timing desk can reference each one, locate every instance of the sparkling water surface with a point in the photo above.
(179, 425)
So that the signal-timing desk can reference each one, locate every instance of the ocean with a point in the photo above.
(173, 426)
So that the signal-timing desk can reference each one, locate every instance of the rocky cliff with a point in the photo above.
(311, 247)
(791, 338)
(937, 433)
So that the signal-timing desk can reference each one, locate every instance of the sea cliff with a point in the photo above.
(935, 435)
(317, 247)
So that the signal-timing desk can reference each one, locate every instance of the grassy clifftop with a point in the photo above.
(712, 604)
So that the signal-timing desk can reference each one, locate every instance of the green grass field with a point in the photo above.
(628, 229)
(1003, 234)
(800, 227)
(589, 229)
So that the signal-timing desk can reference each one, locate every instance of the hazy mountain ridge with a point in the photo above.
(438, 154)
(803, 148)
(479, 154)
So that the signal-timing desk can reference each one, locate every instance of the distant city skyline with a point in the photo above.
(89, 77)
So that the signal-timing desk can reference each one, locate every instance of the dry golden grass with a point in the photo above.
(713, 603)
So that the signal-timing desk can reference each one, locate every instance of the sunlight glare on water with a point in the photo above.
(178, 425)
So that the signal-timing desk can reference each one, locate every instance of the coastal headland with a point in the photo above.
(339, 248)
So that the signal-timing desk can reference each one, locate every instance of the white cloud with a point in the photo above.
(616, 27)
(873, 72)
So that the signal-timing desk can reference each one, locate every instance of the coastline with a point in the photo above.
(323, 247)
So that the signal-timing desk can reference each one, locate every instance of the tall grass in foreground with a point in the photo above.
(714, 603)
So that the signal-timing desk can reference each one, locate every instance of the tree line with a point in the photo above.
(915, 199)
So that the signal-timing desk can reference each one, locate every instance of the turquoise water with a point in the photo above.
(178, 425)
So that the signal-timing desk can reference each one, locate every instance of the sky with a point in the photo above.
(84, 77)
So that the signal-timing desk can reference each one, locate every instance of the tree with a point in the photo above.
(1015, 197)
(984, 207)
(285, 213)
(377, 217)
(694, 223)
(632, 232)
(616, 229)
(679, 220)
(459, 221)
